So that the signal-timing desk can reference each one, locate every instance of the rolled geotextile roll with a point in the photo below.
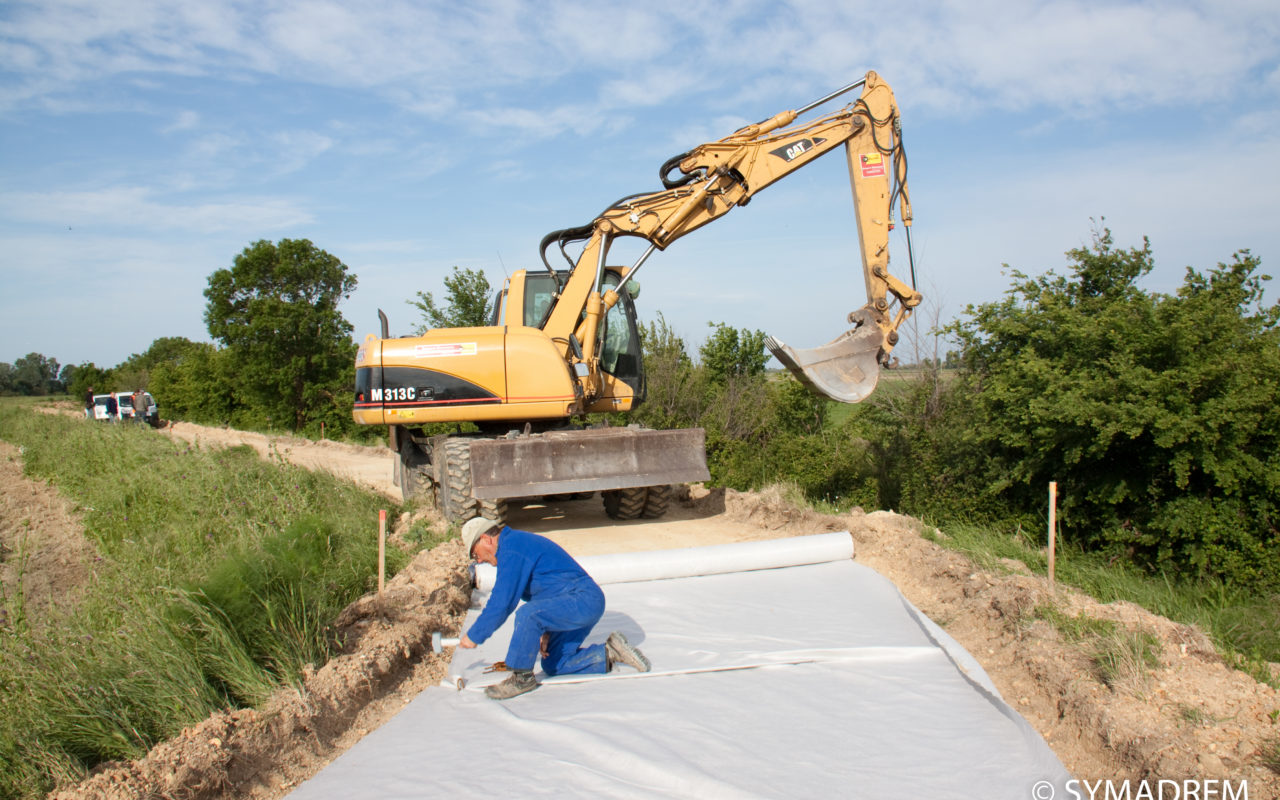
(713, 559)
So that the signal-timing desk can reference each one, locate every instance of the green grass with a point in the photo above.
(1244, 626)
(1120, 658)
(1271, 755)
(1078, 628)
(1124, 658)
(217, 576)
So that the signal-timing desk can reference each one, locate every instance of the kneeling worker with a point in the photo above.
(562, 605)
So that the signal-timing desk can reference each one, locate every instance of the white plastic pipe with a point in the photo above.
(710, 560)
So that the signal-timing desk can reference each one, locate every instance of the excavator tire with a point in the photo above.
(457, 503)
(655, 503)
(495, 510)
(415, 471)
(625, 503)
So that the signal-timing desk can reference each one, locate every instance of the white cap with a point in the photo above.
(476, 527)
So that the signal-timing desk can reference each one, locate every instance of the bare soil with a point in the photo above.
(1192, 717)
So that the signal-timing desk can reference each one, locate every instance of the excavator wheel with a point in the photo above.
(495, 510)
(456, 500)
(655, 503)
(415, 471)
(625, 503)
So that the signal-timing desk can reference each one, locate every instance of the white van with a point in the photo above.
(125, 409)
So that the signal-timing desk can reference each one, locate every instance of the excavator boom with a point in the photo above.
(716, 177)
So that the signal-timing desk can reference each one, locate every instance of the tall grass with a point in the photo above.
(1243, 625)
(216, 577)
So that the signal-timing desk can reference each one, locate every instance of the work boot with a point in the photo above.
(517, 683)
(619, 649)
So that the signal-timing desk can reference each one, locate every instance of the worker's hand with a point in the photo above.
(465, 642)
(542, 645)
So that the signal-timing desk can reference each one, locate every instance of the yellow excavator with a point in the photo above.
(563, 343)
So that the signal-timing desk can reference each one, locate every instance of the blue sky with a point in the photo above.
(144, 144)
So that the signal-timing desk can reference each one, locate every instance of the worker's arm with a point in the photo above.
(515, 569)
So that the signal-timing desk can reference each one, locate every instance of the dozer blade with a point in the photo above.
(845, 369)
(560, 462)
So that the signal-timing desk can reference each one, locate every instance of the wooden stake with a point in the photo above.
(1053, 528)
(382, 549)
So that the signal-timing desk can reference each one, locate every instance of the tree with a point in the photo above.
(36, 374)
(276, 311)
(197, 385)
(86, 376)
(468, 302)
(675, 395)
(135, 371)
(730, 352)
(1158, 415)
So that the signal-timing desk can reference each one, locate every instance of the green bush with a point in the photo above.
(1158, 416)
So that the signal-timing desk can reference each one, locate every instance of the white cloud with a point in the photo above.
(137, 208)
(1079, 55)
(296, 149)
(184, 121)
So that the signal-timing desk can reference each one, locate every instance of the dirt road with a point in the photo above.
(1190, 718)
(580, 526)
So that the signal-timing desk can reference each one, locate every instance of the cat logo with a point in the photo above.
(790, 152)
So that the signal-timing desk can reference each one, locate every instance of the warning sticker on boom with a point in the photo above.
(872, 165)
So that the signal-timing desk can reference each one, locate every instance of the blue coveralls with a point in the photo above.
(560, 599)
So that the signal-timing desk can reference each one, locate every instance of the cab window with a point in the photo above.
(620, 352)
(539, 291)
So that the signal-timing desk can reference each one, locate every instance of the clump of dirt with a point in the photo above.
(44, 556)
(386, 661)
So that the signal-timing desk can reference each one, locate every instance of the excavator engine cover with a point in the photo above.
(845, 369)
(594, 459)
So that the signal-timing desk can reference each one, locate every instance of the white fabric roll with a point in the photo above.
(710, 560)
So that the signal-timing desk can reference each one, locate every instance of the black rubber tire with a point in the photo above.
(415, 472)
(455, 496)
(656, 501)
(456, 501)
(625, 503)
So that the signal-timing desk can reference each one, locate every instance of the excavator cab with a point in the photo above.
(531, 296)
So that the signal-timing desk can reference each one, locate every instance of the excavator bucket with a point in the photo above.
(594, 459)
(845, 369)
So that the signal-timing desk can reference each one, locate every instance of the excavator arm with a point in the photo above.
(715, 178)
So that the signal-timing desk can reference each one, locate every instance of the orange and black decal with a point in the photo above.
(412, 387)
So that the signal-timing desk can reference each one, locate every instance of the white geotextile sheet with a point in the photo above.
(813, 680)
